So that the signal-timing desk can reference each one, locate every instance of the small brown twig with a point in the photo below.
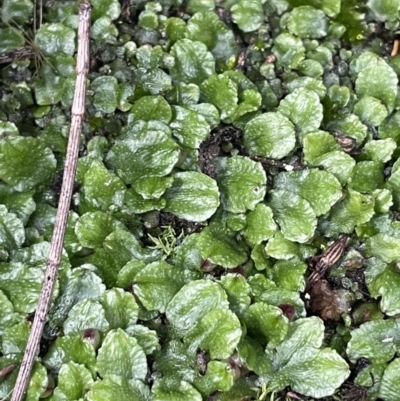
(15, 55)
(56, 246)
(395, 48)
(8, 369)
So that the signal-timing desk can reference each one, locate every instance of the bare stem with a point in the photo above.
(15, 55)
(56, 247)
(395, 48)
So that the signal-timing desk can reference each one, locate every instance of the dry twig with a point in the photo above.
(56, 247)
(19, 54)
(395, 48)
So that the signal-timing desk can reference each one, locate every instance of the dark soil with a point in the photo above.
(222, 140)
(179, 225)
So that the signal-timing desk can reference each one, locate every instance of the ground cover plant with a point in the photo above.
(234, 232)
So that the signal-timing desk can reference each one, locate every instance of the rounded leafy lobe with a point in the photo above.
(383, 200)
(77, 285)
(384, 247)
(370, 110)
(73, 382)
(12, 233)
(177, 390)
(279, 247)
(187, 254)
(38, 382)
(311, 68)
(339, 96)
(380, 150)
(8, 317)
(366, 177)
(193, 62)
(146, 338)
(301, 364)
(121, 355)
(266, 291)
(377, 79)
(303, 108)
(103, 30)
(105, 8)
(253, 355)
(175, 28)
(120, 388)
(188, 127)
(377, 340)
(15, 338)
(69, 348)
(242, 183)
(93, 228)
(192, 302)
(390, 385)
(384, 10)
(382, 279)
(312, 84)
(86, 314)
(238, 291)
(156, 284)
(219, 39)
(193, 196)
(314, 373)
(8, 129)
(22, 285)
(267, 323)
(250, 101)
(53, 38)
(120, 308)
(289, 275)
(316, 144)
(354, 210)
(25, 163)
(259, 257)
(219, 245)
(138, 204)
(127, 274)
(248, 14)
(151, 108)
(389, 127)
(220, 376)
(105, 93)
(320, 188)
(338, 163)
(123, 246)
(152, 187)
(288, 50)
(260, 224)
(294, 215)
(218, 332)
(307, 22)
(10, 39)
(220, 91)
(269, 135)
(349, 125)
(102, 189)
(146, 151)
(17, 11)
(208, 111)
(53, 88)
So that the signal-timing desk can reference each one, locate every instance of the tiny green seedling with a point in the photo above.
(167, 241)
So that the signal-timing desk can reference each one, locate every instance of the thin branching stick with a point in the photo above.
(56, 247)
(16, 55)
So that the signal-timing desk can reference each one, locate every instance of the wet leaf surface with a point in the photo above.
(227, 148)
